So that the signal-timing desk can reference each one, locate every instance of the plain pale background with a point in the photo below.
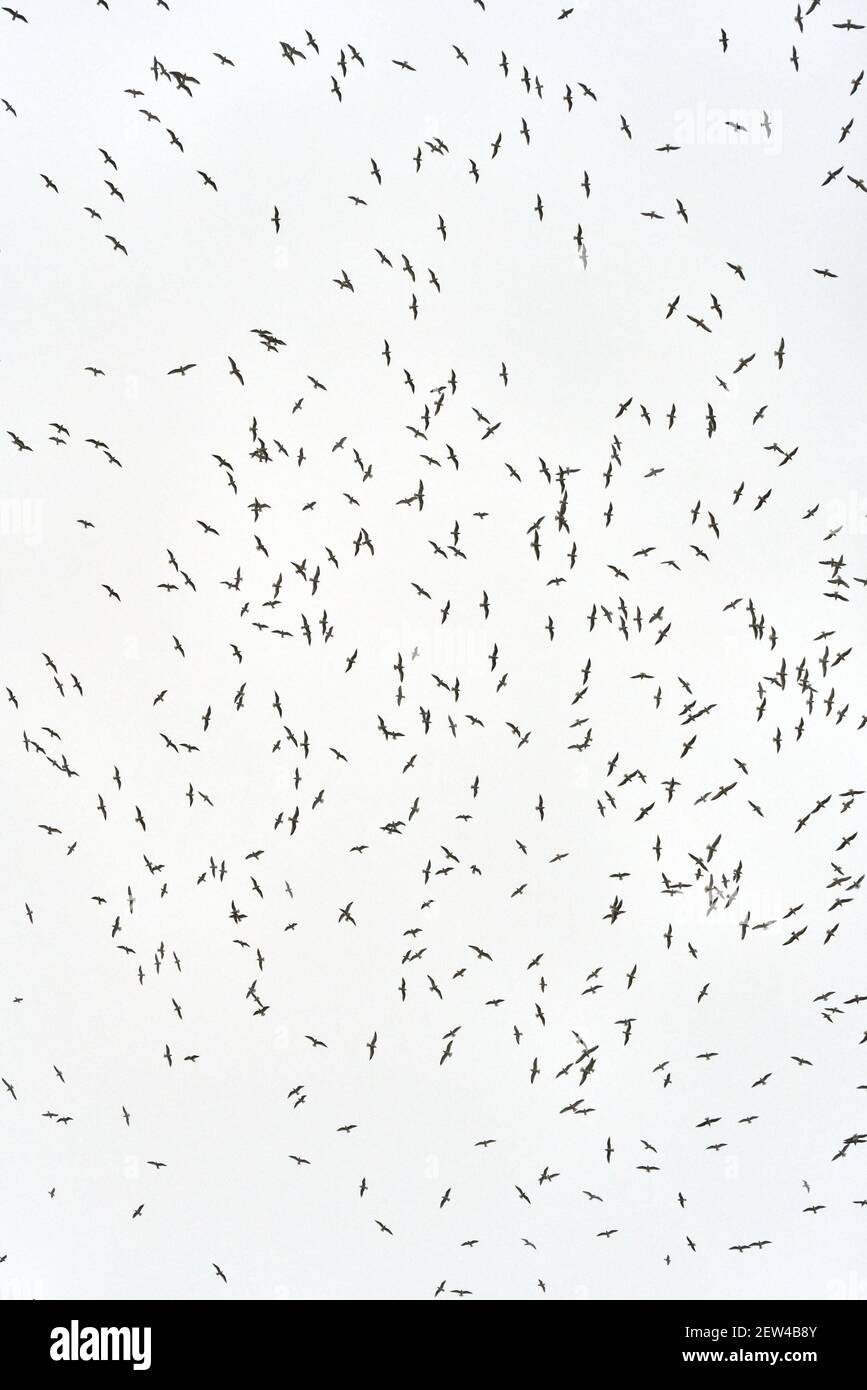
(205, 268)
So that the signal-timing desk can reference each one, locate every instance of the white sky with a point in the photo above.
(203, 269)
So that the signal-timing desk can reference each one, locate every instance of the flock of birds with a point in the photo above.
(406, 803)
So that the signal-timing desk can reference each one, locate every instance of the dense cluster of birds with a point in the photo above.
(503, 761)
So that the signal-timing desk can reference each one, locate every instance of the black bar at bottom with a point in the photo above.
(223, 1338)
